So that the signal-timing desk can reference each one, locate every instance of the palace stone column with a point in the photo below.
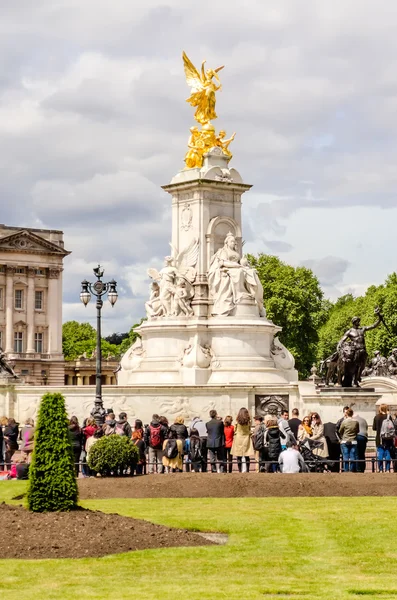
(10, 272)
(54, 312)
(30, 349)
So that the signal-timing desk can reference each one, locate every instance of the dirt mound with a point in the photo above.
(82, 533)
(240, 485)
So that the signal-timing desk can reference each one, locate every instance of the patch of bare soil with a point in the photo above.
(82, 533)
(240, 485)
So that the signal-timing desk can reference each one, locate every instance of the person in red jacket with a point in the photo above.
(229, 435)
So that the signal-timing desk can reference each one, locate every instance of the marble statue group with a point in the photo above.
(231, 281)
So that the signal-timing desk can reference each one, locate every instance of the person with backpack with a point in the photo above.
(273, 438)
(198, 423)
(155, 435)
(122, 426)
(348, 431)
(172, 453)
(258, 442)
(195, 450)
(384, 440)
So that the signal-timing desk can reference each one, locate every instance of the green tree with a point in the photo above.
(78, 338)
(294, 300)
(52, 476)
(347, 307)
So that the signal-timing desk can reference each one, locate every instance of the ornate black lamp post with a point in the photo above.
(98, 289)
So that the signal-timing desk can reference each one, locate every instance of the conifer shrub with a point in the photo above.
(52, 475)
(113, 454)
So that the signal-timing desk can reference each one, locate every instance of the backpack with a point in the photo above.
(387, 431)
(195, 450)
(155, 436)
(120, 429)
(171, 449)
(258, 439)
(110, 429)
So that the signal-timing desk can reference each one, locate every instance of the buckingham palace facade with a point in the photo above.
(31, 265)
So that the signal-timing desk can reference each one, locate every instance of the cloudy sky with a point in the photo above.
(93, 120)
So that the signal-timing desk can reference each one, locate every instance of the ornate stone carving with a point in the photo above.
(136, 354)
(10, 270)
(176, 407)
(22, 243)
(186, 217)
(54, 272)
(271, 405)
(226, 176)
(282, 357)
(173, 293)
(232, 281)
(31, 271)
(197, 355)
(20, 326)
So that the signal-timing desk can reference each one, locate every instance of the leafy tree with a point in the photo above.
(78, 338)
(112, 454)
(52, 476)
(116, 338)
(347, 307)
(294, 300)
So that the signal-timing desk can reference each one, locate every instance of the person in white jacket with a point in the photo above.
(291, 460)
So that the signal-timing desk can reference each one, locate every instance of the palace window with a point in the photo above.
(1, 298)
(2, 269)
(38, 343)
(18, 299)
(38, 300)
(20, 270)
(18, 341)
(40, 272)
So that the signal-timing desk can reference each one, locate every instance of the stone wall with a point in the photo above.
(22, 402)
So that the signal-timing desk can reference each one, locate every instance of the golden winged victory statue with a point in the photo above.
(203, 97)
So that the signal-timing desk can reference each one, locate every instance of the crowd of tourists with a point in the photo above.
(269, 444)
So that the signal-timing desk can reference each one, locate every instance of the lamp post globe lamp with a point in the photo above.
(98, 289)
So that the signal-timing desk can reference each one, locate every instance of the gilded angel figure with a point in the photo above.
(203, 90)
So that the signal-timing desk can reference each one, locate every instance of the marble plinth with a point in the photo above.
(217, 350)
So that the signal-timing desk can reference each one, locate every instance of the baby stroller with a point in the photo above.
(315, 464)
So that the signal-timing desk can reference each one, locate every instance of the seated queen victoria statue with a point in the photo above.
(231, 280)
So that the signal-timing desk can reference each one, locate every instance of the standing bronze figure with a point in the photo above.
(351, 356)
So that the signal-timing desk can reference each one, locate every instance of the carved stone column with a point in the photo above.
(53, 313)
(30, 349)
(200, 300)
(9, 345)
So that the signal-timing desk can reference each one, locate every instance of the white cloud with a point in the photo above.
(93, 120)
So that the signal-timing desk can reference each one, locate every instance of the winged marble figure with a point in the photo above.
(175, 283)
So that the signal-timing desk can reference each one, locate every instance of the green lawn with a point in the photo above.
(308, 548)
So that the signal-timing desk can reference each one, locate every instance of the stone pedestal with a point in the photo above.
(234, 344)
